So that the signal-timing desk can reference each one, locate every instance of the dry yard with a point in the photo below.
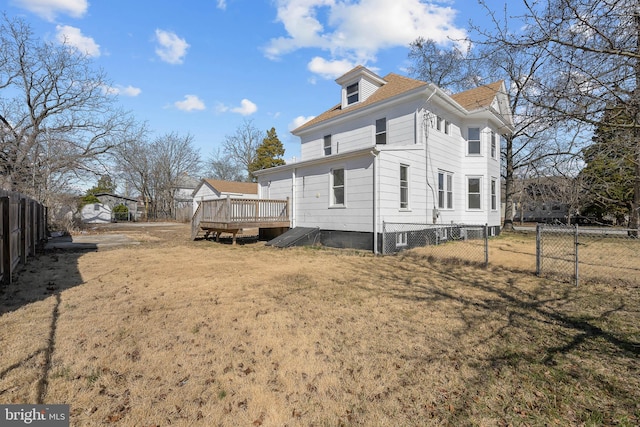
(175, 332)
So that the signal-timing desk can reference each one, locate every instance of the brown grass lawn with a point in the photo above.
(175, 332)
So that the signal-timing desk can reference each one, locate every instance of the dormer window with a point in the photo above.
(352, 93)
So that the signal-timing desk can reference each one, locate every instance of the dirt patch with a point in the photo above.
(171, 331)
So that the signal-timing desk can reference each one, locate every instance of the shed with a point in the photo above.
(213, 189)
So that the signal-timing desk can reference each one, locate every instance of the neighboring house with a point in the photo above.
(103, 212)
(213, 189)
(183, 197)
(545, 199)
(395, 149)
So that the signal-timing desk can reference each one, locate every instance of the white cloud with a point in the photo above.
(172, 48)
(246, 108)
(122, 90)
(222, 4)
(49, 9)
(299, 121)
(190, 103)
(73, 36)
(359, 29)
(329, 69)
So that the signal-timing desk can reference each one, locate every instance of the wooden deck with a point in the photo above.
(233, 215)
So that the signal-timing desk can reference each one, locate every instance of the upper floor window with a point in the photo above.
(337, 187)
(352, 93)
(381, 131)
(494, 145)
(447, 127)
(327, 145)
(404, 187)
(473, 141)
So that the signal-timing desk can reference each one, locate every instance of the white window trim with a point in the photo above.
(479, 154)
(344, 188)
(356, 92)
(448, 192)
(493, 197)
(494, 145)
(401, 239)
(468, 194)
(408, 207)
(376, 133)
(325, 146)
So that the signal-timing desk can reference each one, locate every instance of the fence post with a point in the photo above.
(23, 231)
(486, 245)
(576, 243)
(539, 249)
(6, 240)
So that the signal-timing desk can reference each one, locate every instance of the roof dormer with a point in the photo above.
(358, 84)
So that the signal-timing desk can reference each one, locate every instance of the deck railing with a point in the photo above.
(244, 211)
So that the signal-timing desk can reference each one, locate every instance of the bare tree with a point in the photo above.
(592, 63)
(241, 147)
(450, 69)
(221, 166)
(56, 119)
(154, 169)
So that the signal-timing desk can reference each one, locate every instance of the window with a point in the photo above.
(473, 141)
(439, 123)
(447, 125)
(445, 190)
(327, 145)
(401, 238)
(494, 195)
(337, 187)
(352, 93)
(473, 191)
(381, 131)
(96, 207)
(404, 187)
(494, 149)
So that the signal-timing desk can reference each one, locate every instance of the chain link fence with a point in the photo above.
(455, 241)
(584, 254)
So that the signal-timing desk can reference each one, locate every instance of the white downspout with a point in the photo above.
(376, 215)
(292, 208)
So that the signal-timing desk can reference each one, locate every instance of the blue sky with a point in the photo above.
(204, 66)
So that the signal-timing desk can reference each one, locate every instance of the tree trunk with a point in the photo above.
(508, 186)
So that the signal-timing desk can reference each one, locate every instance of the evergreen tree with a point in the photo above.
(268, 154)
(609, 174)
(105, 185)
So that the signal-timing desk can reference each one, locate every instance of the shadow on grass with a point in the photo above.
(47, 275)
(553, 349)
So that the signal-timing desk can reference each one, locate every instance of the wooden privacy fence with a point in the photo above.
(24, 225)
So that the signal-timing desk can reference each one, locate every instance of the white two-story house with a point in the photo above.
(395, 149)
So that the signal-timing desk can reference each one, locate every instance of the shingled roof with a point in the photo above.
(470, 100)
(479, 97)
(233, 187)
(395, 85)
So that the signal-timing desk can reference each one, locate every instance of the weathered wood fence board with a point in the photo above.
(24, 225)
